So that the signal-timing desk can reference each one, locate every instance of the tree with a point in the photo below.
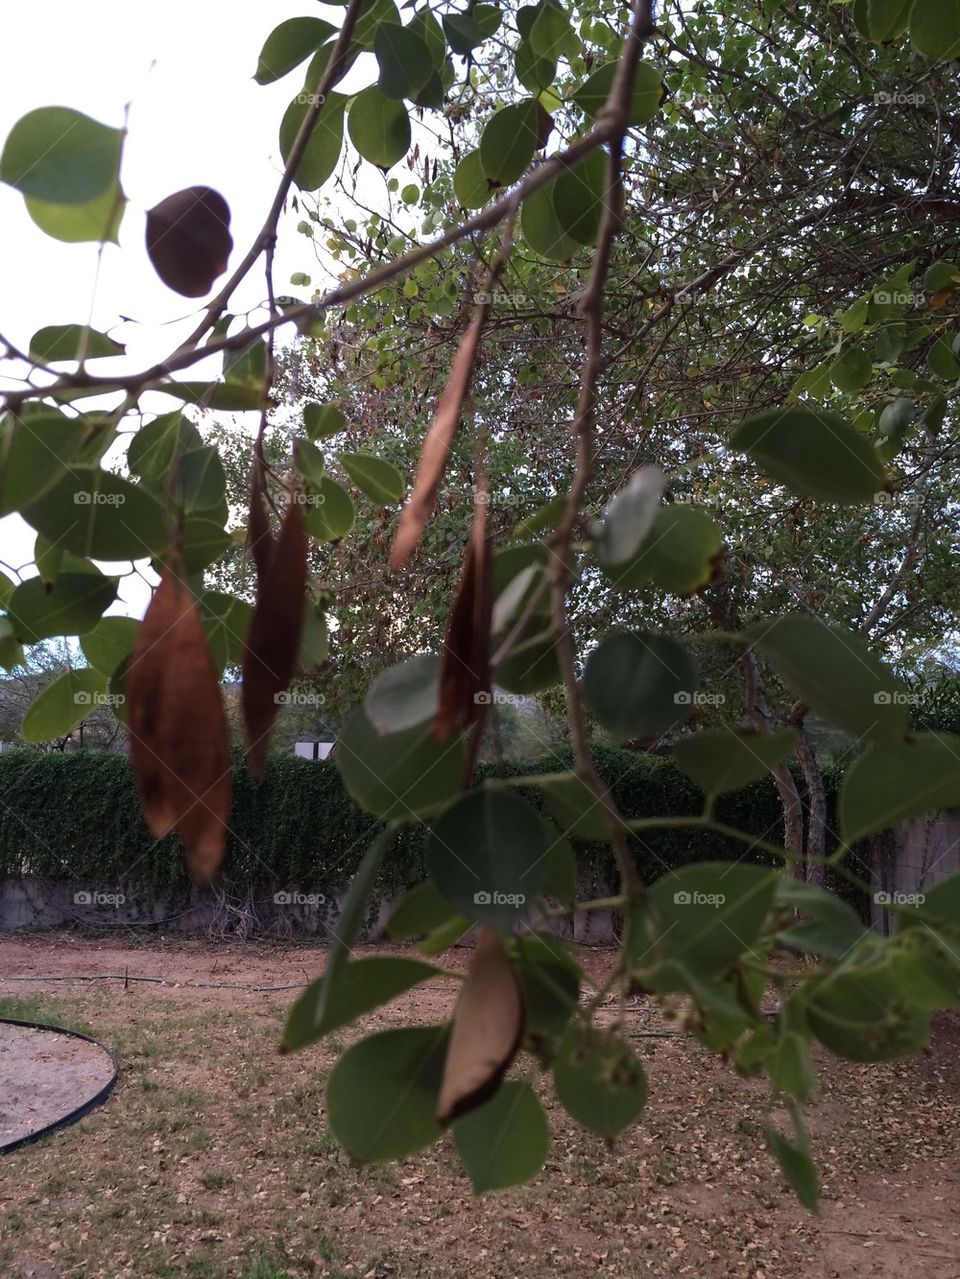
(615, 323)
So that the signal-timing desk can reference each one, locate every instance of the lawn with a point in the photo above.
(212, 1159)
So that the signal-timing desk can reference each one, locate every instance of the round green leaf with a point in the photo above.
(894, 781)
(405, 696)
(397, 776)
(599, 1081)
(486, 855)
(329, 511)
(542, 228)
(835, 674)
(326, 140)
(935, 29)
(226, 620)
(361, 985)
(471, 185)
(36, 446)
(379, 127)
(93, 512)
(861, 1012)
(382, 1093)
(509, 141)
(62, 705)
(379, 480)
(109, 642)
(98, 219)
(61, 156)
(817, 454)
(72, 607)
(640, 685)
(647, 92)
(678, 554)
(727, 760)
(70, 342)
(578, 197)
(505, 1141)
(323, 420)
(404, 60)
(289, 44)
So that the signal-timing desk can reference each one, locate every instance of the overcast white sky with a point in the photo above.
(196, 117)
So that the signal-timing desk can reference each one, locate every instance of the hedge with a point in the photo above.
(75, 817)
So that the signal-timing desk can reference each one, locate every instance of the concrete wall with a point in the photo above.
(919, 854)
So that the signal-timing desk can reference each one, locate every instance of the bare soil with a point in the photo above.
(212, 1159)
(44, 1077)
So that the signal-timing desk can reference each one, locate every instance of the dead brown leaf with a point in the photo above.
(466, 654)
(179, 745)
(487, 1027)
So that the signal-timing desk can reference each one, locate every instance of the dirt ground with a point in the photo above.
(212, 1158)
(44, 1076)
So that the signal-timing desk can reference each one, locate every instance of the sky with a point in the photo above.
(196, 117)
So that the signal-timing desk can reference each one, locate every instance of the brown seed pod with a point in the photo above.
(189, 240)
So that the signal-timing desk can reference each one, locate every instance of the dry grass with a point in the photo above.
(212, 1160)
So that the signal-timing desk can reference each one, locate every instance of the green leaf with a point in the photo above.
(234, 397)
(247, 366)
(404, 61)
(322, 152)
(310, 461)
(679, 554)
(542, 228)
(852, 370)
(425, 25)
(379, 128)
(830, 928)
(397, 776)
(629, 517)
(202, 541)
(729, 759)
(72, 342)
(11, 652)
(329, 511)
(571, 804)
(860, 1011)
(486, 855)
(534, 70)
(796, 1165)
(382, 1093)
(98, 219)
(551, 35)
(639, 685)
(508, 142)
(935, 29)
(289, 44)
(547, 517)
(942, 361)
(505, 1141)
(471, 185)
(110, 641)
(405, 696)
(816, 454)
(892, 782)
(226, 620)
(63, 704)
(550, 980)
(323, 420)
(835, 674)
(95, 513)
(6, 589)
(421, 911)
(706, 915)
(647, 92)
(379, 480)
(373, 15)
(941, 275)
(462, 32)
(579, 196)
(72, 607)
(599, 1081)
(36, 446)
(61, 156)
(363, 984)
(887, 19)
(152, 449)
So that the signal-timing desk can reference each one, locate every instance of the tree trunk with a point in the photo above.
(816, 811)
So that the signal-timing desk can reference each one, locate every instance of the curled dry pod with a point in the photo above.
(189, 240)
(179, 745)
(273, 641)
(487, 1027)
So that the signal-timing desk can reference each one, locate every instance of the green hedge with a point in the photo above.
(76, 817)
